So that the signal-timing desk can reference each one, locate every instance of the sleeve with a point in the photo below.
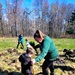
(44, 51)
(37, 46)
(22, 39)
(31, 63)
(20, 58)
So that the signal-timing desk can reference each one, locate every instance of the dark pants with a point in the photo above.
(48, 64)
(19, 44)
(25, 73)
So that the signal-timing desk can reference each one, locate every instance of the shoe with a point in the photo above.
(40, 73)
(52, 74)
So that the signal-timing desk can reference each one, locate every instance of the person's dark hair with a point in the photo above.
(36, 34)
(29, 50)
(26, 40)
(39, 34)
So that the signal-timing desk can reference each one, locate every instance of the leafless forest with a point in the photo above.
(51, 18)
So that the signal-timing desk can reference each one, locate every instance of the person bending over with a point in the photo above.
(48, 52)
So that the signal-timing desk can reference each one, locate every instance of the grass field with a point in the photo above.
(6, 58)
(6, 43)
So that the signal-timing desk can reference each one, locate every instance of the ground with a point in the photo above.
(9, 64)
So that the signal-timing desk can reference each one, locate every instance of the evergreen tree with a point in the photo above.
(72, 20)
(71, 29)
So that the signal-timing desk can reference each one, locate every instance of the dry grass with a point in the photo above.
(9, 62)
(7, 66)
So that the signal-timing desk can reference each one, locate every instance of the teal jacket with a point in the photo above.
(21, 39)
(48, 50)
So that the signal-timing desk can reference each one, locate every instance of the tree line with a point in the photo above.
(54, 19)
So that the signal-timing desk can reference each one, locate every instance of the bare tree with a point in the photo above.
(58, 18)
(16, 4)
(13, 14)
(52, 18)
(41, 10)
(1, 23)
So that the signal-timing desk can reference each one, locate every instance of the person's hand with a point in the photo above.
(33, 61)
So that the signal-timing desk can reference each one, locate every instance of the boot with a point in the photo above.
(52, 74)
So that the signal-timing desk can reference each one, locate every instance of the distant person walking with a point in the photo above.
(48, 52)
(20, 41)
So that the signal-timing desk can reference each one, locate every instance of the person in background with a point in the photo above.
(31, 45)
(28, 44)
(48, 52)
(26, 63)
(20, 41)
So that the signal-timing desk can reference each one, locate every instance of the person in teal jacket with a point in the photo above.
(48, 52)
(20, 41)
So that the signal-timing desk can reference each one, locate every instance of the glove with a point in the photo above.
(33, 61)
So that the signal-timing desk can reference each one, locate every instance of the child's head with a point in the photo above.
(29, 51)
(26, 40)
